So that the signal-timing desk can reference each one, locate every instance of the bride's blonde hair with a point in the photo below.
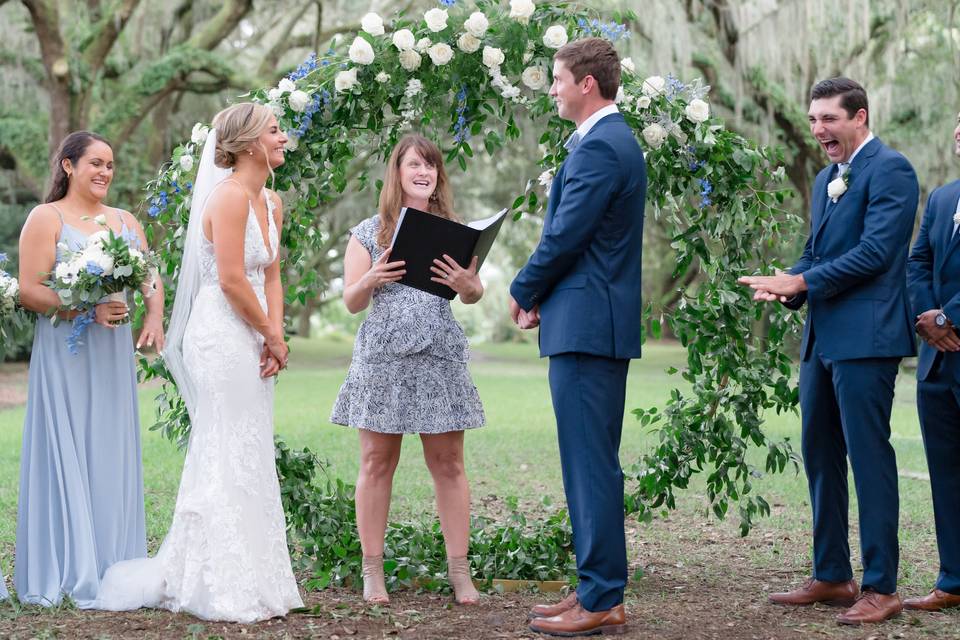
(238, 126)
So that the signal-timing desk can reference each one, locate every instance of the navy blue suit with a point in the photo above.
(585, 277)
(858, 327)
(933, 274)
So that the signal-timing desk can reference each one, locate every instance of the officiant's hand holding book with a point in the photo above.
(443, 256)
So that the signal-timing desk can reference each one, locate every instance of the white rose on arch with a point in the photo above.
(477, 24)
(654, 86)
(372, 24)
(345, 80)
(436, 19)
(620, 95)
(521, 10)
(186, 163)
(423, 44)
(404, 39)
(382, 77)
(440, 53)
(292, 143)
(199, 133)
(697, 110)
(410, 60)
(299, 99)
(468, 43)
(655, 135)
(535, 77)
(361, 52)
(555, 36)
(286, 85)
(274, 94)
(492, 57)
(643, 102)
(627, 65)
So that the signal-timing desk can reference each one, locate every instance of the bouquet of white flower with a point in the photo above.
(106, 268)
(13, 321)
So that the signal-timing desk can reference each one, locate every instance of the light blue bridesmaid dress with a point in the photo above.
(81, 484)
(3, 589)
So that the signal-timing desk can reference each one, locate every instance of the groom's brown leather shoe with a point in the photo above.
(577, 621)
(933, 601)
(872, 607)
(835, 594)
(550, 610)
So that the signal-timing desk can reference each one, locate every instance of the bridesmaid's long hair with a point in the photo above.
(391, 196)
(71, 148)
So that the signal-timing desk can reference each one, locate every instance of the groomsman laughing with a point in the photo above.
(933, 273)
(852, 277)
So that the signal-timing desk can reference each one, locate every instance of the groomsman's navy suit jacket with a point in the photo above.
(933, 272)
(585, 272)
(854, 262)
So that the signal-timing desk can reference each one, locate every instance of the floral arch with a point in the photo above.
(471, 77)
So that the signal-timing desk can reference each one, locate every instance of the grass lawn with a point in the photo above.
(516, 454)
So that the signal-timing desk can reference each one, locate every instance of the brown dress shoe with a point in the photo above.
(933, 601)
(550, 610)
(872, 607)
(577, 621)
(835, 594)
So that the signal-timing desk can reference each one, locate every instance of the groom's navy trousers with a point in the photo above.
(858, 327)
(934, 280)
(585, 277)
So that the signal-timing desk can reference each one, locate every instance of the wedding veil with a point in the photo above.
(209, 175)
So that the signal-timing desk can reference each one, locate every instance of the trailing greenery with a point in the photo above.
(718, 194)
(322, 527)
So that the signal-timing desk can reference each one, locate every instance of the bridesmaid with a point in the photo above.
(81, 486)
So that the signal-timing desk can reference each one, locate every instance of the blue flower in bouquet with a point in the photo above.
(80, 324)
(94, 268)
(705, 190)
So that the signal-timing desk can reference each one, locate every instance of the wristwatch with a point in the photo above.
(941, 319)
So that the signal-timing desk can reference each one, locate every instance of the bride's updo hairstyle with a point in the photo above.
(238, 126)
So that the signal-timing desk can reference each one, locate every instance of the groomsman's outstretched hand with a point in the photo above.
(779, 287)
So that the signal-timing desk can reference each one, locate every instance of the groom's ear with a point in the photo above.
(589, 84)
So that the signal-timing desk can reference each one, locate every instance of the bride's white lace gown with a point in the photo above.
(225, 556)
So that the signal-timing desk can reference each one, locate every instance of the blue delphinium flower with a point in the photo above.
(153, 211)
(705, 190)
(461, 130)
(3, 257)
(80, 323)
(189, 185)
(94, 268)
(675, 87)
(448, 3)
(610, 30)
(305, 67)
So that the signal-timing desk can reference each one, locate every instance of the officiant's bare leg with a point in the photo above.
(379, 454)
(443, 453)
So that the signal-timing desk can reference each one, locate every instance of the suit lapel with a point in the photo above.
(857, 167)
(822, 202)
(949, 241)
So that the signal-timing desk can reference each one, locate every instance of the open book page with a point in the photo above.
(482, 224)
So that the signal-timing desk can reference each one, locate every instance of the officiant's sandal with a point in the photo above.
(458, 573)
(374, 585)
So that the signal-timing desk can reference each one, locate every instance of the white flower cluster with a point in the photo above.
(9, 289)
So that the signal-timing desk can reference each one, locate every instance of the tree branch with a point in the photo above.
(107, 30)
(221, 25)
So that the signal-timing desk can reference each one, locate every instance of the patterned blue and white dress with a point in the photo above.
(409, 369)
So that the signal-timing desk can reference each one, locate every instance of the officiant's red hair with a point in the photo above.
(391, 196)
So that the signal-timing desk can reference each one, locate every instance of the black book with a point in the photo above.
(421, 237)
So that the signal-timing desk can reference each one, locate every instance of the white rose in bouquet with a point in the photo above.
(468, 43)
(627, 65)
(655, 135)
(555, 36)
(654, 86)
(535, 77)
(409, 59)
(521, 10)
(423, 44)
(360, 51)
(199, 134)
(102, 219)
(345, 80)
(186, 162)
(382, 77)
(440, 53)
(492, 57)
(372, 24)
(299, 101)
(643, 102)
(697, 110)
(436, 19)
(404, 39)
(477, 24)
(286, 85)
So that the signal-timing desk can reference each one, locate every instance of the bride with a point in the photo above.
(225, 556)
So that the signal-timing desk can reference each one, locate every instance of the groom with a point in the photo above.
(582, 285)
(852, 275)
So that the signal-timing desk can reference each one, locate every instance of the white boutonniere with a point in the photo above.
(956, 218)
(838, 186)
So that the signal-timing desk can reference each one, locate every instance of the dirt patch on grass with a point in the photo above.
(13, 384)
(691, 578)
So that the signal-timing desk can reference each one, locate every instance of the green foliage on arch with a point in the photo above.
(471, 82)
